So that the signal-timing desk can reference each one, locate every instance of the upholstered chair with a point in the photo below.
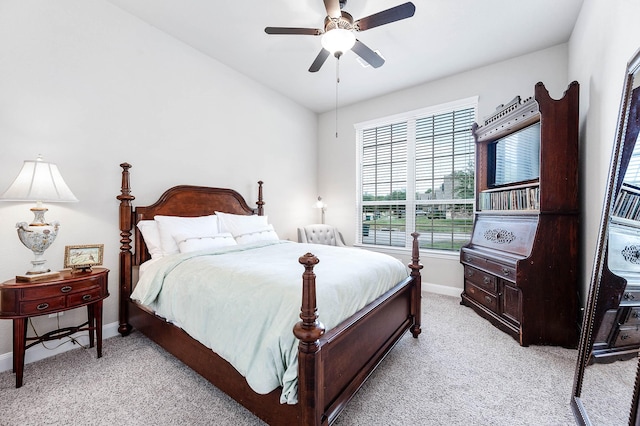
(320, 234)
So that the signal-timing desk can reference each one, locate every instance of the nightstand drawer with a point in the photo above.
(38, 292)
(85, 296)
(39, 307)
(481, 279)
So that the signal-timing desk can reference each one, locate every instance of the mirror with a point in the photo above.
(605, 388)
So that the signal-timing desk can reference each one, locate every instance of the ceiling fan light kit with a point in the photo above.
(338, 41)
(338, 34)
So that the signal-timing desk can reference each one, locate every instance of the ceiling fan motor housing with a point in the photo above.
(345, 22)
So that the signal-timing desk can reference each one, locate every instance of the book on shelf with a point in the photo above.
(627, 204)
(522, 198)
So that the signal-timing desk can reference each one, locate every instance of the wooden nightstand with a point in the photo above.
(21, 300)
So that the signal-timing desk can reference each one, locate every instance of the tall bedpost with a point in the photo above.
(415, 267)
(309, 331)
(126, 223)
(260, 201)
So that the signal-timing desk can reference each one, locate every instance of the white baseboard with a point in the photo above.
(441, 289)
(39, 352)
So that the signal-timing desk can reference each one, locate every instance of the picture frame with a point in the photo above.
(83, 256)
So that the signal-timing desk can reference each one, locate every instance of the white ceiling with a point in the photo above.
(444, 37)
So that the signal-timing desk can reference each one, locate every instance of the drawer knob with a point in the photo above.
(487, 299)
(628, 296)
(468, 258)
(86, 297)
(470, 273)
(66, 289)
(42, 306)
(624, 337)
(506, 272)
(635, 314)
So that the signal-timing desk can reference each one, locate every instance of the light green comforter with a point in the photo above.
(243, 301)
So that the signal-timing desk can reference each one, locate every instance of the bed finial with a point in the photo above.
(415, 267)
(309, 331)
(260, 201)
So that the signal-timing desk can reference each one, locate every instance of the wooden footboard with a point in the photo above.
(333, 364)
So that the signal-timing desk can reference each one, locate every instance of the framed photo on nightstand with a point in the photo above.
(83, 256)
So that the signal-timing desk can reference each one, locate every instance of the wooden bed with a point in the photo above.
(333, 364)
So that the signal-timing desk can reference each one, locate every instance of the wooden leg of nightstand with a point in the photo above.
(19, 333)
(98, 322)
(91, 318)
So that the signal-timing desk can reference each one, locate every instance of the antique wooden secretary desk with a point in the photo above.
(521, 265)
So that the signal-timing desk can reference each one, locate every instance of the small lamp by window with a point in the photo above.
(321, 205)
(38, 181)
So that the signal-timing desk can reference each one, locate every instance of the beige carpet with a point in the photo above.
(461, 371)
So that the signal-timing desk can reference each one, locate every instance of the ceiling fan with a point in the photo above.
(338, 34)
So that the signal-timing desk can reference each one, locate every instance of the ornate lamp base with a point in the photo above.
(37, 237)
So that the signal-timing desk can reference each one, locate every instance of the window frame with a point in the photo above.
(410, 118)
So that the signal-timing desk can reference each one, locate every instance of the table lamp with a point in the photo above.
(38, 181)
(321, 205)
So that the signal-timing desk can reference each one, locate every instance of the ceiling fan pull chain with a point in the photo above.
(337, 82)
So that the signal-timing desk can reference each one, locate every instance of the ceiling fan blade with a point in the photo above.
(333, 8)
(317, 64)
(284, 30)
(397, 13)
(367, 54)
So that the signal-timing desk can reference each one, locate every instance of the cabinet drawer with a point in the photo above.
(486, 299)
(630, 297)
(90, 294)
(627, 336)
(50, 290)
(632, 317)
(39, 307)
(481, 279)
(507, 272)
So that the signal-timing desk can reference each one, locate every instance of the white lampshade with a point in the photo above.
(338, 40)
(39, 181)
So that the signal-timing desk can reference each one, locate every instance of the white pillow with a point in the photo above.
(172, 226)
(261, 234)
(151, 234)
(187, 244)
(240, 224)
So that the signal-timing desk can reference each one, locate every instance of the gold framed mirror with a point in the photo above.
(610, 335)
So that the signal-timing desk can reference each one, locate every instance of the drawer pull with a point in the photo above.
(624, 337)
(470, 273)
(635, 314)
(468, 258)
(66, 289)
(487, 299)
(506, 272)
(629, 296)
(487, 280)
(86, 297)
(42, 306)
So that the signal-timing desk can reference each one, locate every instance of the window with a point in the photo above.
(416, 173)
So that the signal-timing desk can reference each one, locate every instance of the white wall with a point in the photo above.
(605, 37)
(494, 85)
(89, 87)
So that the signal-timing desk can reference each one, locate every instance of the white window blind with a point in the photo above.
(417, 174)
